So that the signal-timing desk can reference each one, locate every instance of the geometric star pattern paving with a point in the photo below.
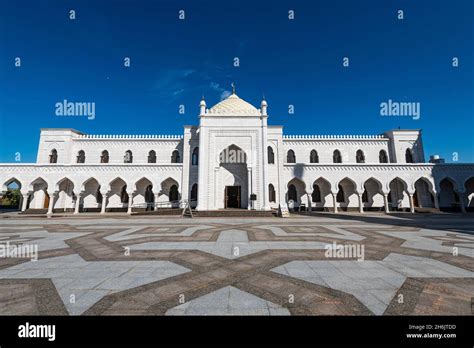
(264, 266)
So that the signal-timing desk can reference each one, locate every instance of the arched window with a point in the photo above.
(194, 192)
(124, 195)
(270, 155)
(313, 157)
(292, 194)
(271, 193)
(128, 158)
(53, 156)
(408, 156)
(104, 158)
(383, 157)
(336, 156)
(195, 157)
(340, 195)
(316, 195)
(360, 158)
(290, 157)
(175, 157)
(152, 156)
(174, 196)
(81, 157)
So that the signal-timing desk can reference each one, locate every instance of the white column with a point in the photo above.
(385, 202)
(186, 164)
(216, 187)
(309, 202)
(412, 203)
(265, 197)
(104, 202)
(249, 187)
(206, 162)
(334, 201)
(78, 203)
(51, 202)
(436, 200)
(130, 202)
(282, 184)
(361, 204)
(24, 201)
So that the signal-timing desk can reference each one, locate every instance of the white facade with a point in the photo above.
(232, 154)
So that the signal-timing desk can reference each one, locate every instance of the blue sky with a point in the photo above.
(297, 62)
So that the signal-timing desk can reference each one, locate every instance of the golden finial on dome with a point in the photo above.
(233, 87)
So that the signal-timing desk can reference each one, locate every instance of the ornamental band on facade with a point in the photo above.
(234, 159)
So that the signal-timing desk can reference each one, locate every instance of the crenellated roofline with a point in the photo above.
(130, 136)
(336, 137)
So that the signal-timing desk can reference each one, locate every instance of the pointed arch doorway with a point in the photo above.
(232, 179)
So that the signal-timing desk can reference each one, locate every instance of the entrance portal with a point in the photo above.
(233, 178)
(232, 197)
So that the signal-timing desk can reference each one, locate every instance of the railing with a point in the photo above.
(158, 205)
(183, 204)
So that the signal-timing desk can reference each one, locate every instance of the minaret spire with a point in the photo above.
(202, 106)
(233, 87)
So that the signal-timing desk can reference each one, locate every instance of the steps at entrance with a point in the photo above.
(208, 213)
(35, 211)
(233, 213)
(170, 211)
(427, 210)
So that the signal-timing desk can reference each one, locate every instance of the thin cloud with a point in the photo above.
(172, 83)
(224, 93)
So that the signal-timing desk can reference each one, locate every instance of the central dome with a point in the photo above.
(233, 106)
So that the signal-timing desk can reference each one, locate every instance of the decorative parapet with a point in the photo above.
(448, 167)
(355, 167)
(334, 137)
(13, 168)
(130, 136)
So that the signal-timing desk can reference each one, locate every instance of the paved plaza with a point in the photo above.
(410, 264)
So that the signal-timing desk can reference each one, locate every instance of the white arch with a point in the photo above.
(378, 182)
(465, 182)
(87, 181)
(403, 181)
(118, 178)
(10, 181)
(322, 179)
(450, 179)
(36, 181)
(58, 183)
(356, 187)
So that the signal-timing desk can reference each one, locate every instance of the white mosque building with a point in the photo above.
(233, 159)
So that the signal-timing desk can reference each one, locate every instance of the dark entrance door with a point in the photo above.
(232, 196)
(46, 200)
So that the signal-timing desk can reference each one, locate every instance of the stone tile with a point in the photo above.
(374, 283)
(228, 301)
